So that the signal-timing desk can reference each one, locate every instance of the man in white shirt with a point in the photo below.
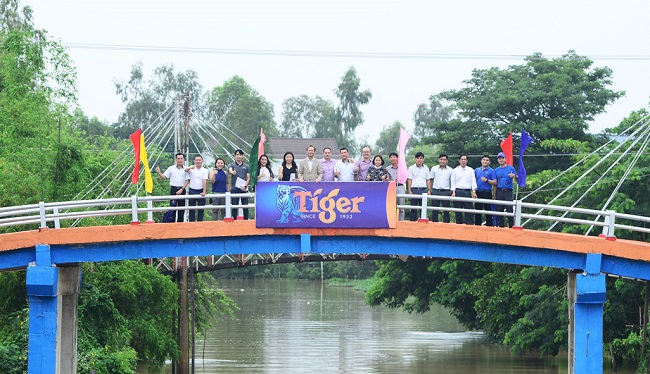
(440, 179)
(416, 184)
(177, 177)
(393, 170)
(197, 179)
(463, 184)
(344, 168)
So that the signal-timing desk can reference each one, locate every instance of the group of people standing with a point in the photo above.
(463, 181)
(440, 180)
(193, 180)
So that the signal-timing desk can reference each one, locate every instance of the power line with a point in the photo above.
(333, 54)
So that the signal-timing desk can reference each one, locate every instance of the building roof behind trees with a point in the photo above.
(299, 147)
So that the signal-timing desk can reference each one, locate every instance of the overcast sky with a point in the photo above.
(603, 30)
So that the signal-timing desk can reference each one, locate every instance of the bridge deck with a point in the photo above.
(632, 250)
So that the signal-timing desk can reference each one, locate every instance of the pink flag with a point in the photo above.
(260, 148)
(402, 171)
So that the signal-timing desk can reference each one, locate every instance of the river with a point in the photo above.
(286, 326)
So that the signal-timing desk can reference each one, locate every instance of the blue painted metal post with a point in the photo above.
(588, 318)
(42, 280)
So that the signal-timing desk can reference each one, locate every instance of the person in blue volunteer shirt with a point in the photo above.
(485, 179)
(505, 175)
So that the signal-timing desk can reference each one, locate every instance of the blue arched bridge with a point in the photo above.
(51, 257)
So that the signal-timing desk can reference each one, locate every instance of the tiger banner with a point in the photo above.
(326, 205)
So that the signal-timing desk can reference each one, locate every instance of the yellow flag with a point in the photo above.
(148, 181)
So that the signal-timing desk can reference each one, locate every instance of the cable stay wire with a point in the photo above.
(229, 130)
(644, 136)
(227, 153)
(205, 123)
(600, 161)
(123, 173)
(595, 152)
(637, 155)
(107, 172)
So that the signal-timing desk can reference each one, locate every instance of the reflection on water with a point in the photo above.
(300, 327)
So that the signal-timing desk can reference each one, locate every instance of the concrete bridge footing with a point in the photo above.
(53, 294)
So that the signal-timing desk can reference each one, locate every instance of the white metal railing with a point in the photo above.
(44, 213)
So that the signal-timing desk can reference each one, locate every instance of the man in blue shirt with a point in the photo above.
(485, 179)
(505, 175)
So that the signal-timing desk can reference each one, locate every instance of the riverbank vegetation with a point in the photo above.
(126, 309)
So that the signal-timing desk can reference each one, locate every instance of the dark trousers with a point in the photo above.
(195, 202)
(415, 213)
(478, 218)
(219, 213)
(239, 201)
(461, 217)
(444, 203)
(504, 195)
(180, 214)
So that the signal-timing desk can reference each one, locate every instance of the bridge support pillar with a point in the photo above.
(52, 294)
(586, 292)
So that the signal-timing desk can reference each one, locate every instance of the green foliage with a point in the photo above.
(13, 342)
(335, 269)
(239, 107)
(350, 99)
(550, 98)
(129, 303)
(146, 100)
(304, 117)
(317, 118)
(388, 139)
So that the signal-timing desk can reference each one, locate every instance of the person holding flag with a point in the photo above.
(505, 174)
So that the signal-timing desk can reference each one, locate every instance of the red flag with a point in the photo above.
(506, 147)
(260, 148)
(135, 139)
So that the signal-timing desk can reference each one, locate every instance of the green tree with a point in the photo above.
(350, 100)
(239, 107)
(147, 100)
(429, 117)
(388, 139)
(304, 117)
(550, 98)
(348, 112)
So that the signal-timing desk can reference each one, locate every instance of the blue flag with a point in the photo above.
(521, 173)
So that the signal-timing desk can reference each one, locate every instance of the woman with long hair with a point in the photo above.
(288, 169)
(264, 172)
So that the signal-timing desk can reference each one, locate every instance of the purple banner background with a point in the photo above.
(326, 205)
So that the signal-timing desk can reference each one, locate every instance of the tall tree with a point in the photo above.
(430, 116)
(350, 100)
(241, 109)
(550, 98)
(304, 117)
(147, 99)
(388, 139)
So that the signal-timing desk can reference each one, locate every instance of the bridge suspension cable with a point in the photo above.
(640, 126)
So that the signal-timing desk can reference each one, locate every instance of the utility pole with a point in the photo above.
(186, 136)
(177, 125)
(183, 366)
(183, 320)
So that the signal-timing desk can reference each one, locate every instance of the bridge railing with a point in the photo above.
(44, 214)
